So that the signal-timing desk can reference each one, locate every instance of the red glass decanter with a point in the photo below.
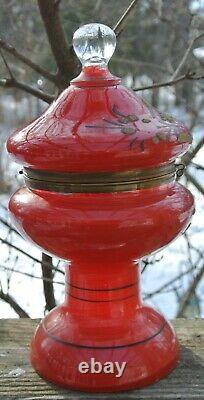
(101, 192)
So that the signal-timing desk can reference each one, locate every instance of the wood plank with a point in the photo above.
(19, 381)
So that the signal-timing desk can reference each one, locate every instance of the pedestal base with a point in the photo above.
(146, 343)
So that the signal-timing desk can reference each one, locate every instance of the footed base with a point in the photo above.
(106, 352)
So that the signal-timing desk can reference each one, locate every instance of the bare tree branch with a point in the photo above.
(140, 64)
(119, 26)
(64, 56)
(186, 159)
(57, 3)
(167, 284)
(187, 76)
(12, 302)
(175, 79)
(4, 207)
(5, 223)
(47, 273)
(6, 65)
(13, 83)
(98, 4)
(189, 293)
(185, 56)
(35, 67)
(28, 255)
(194, 181)
(17, 271)
(198, 166)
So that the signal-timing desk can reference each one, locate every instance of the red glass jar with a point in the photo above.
(100, 192)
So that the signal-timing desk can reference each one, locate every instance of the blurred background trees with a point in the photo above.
(160, 47)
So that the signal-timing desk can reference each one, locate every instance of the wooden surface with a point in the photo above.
(19, 381)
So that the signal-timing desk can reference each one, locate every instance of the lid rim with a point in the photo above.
(99, 182)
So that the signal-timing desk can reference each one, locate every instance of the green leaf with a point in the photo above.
(185, 137)
(124, 120)
(155, 139)
(128, 130)
(132, 117)
(167, 117)
(161, 135)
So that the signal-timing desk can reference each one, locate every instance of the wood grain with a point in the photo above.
(19, 381)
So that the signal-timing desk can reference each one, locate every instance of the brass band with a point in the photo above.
(65, 182)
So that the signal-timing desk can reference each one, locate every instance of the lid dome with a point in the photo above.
(98, 125)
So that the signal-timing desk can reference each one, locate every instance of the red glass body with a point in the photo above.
(103, 235)
(103, 227)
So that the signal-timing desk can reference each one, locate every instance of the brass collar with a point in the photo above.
(65, 182)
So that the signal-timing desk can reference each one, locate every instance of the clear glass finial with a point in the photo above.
(94, 44)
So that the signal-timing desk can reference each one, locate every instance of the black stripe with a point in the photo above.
(99, 301)
(103, 347)
(103, 290)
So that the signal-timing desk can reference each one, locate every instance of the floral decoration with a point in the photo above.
(163, 127)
